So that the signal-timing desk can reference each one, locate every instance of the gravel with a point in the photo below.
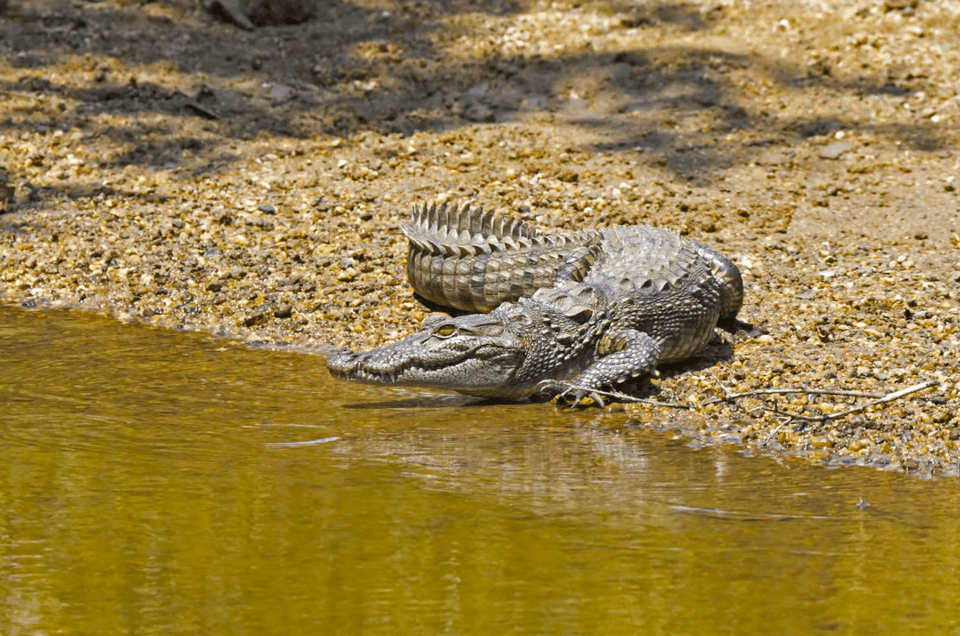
(160, 165)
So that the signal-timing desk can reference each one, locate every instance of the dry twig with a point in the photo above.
(875, 400)
(883, 399)
(729, 397)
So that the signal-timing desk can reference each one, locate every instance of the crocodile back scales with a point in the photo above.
(468, 259)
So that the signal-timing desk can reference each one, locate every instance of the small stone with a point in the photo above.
(479, 113)
(834, 150)
(280, 93)
(229, 10)
(821, 442)
(255, 318)
(347, 275)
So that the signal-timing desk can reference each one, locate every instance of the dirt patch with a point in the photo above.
(160, 164)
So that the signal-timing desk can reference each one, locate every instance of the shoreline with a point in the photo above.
(251, 184)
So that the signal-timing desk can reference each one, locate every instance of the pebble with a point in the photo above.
(834, 150)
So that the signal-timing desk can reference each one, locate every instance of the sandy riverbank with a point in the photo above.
(164, 166)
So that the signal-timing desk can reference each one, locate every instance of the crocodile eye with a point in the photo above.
(445, 331)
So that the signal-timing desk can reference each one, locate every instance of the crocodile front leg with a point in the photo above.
(629, 354)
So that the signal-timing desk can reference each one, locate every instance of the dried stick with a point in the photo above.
(876, 399)
(734, 396)
(889, 397)
(4, 91)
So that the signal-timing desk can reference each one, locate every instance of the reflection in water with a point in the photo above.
(159, 482)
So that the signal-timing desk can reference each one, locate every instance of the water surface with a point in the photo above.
(155, 482)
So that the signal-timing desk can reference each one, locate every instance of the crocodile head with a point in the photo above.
(475, 354)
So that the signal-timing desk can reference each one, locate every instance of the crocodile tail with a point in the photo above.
(465, 258)
(452, 230)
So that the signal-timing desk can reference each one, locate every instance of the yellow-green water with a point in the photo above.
(154, 482)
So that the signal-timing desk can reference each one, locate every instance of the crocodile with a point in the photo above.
(564, 314)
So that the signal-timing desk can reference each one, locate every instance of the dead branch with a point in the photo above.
(875, 400)
(729, 397)
(889, 397)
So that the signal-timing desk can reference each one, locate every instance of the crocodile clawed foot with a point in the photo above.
(570, 395)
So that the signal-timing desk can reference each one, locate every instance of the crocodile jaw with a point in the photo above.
(477, 359)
